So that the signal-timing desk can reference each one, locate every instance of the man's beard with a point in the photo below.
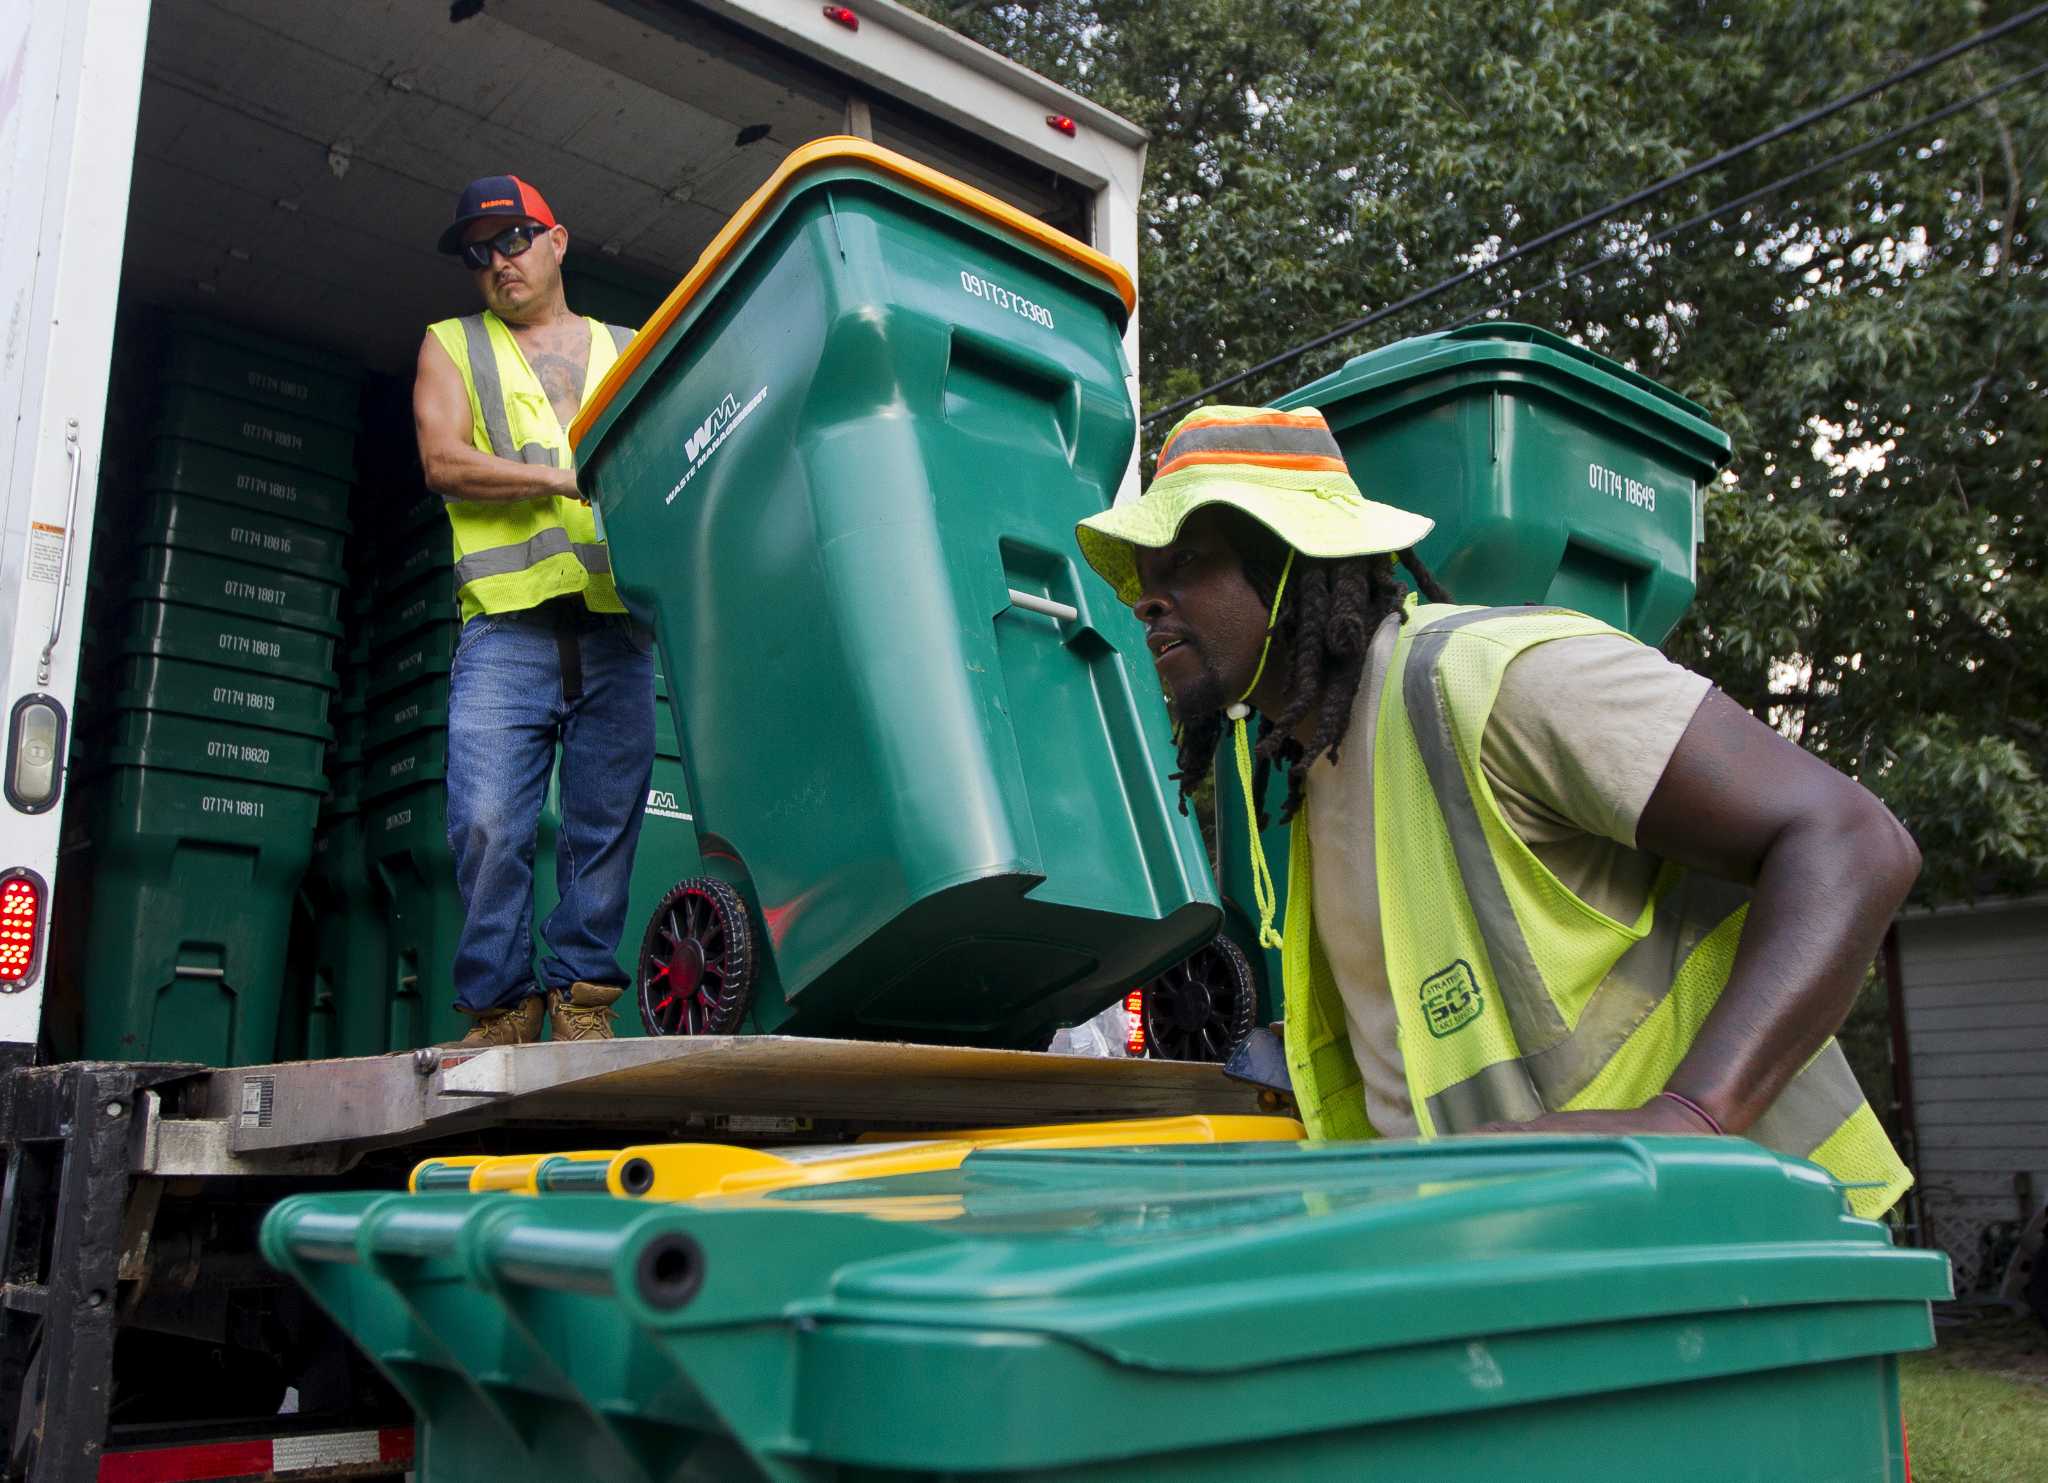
(1205, 695)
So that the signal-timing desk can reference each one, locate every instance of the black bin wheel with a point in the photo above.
(1199, 1009)
(698, 961)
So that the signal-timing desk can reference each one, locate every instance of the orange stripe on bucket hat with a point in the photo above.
(1283, 469)
(1268, 439)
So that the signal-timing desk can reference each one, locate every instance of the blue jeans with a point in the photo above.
(506, 715)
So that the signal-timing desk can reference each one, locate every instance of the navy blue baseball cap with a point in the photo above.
(495, 195)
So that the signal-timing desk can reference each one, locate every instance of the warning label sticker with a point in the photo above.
(45, 552)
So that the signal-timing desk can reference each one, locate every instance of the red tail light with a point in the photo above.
(1061, 122)
(839, 15)
(21, 929)
(1134, 1022)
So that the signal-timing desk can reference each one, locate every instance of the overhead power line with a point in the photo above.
(1750, 198)
(1593, 218)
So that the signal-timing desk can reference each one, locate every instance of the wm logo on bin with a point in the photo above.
(1451, 999)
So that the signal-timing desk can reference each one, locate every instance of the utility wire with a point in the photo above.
(1594, 218)
(1586, 269)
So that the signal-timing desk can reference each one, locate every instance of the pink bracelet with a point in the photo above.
(1697, 1111)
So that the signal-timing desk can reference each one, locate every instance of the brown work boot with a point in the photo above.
(583, 1011)
(517, 1024)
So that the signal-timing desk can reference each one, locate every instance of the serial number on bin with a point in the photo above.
(1622, 487)
(238, 752)
(241, 808)
(252, 699)
(1002, 298)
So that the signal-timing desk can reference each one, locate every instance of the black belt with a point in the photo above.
(570, 617)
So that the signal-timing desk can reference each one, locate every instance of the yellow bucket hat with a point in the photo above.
(1283, 469)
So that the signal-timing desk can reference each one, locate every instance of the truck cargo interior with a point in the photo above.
(294, 166)
(295, 163)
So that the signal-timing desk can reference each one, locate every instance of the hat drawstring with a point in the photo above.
(1239, 714)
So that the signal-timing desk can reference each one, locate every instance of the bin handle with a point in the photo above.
(76, 457)
(186, 970)
(1031, 602)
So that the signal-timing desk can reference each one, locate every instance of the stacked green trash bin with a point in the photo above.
(205, 771)
(405, 790)
(1466, 1310)
(342, 922)
(1554, 475)
(840, 471)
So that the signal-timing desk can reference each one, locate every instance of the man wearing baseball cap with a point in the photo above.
(548, 658)
(1541, 879)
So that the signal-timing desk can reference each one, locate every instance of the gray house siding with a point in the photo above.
(1976, 1007)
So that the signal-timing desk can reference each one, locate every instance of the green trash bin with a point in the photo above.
(185, 467)
(402, 713)
(193, 688)
(428, 600)
(183, 574)
(350, 936)
(1463, 1311)
(194, 872)
(252, 538)
(1554, 475)
(423, 657)
(232, 748)
(416, 556)
(281, 647)
(412, 870)
(255, 431)
(255, 368)
(840, 472)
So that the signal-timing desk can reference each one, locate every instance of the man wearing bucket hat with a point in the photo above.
(1540, 878)
(548, 657)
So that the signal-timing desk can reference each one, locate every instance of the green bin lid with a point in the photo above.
(1386, 1310)
(1358, 389)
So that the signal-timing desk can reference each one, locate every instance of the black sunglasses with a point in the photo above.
(511, 243)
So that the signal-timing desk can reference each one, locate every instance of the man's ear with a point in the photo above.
(561, 235)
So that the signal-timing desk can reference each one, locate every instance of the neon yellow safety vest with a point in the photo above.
(516, 554)
(1513, 997)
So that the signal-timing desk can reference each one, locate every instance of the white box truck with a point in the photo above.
(285, 166)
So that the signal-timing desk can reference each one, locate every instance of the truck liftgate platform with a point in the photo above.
(133, 1193)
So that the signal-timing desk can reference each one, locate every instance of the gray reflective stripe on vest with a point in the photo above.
(1531, 1011)
(1816, 1102)
(1557, 1062)
(1253, 437)
(1688, 910)
(490, 396)
(1496, 1093)
(621, 336)
(499, 561)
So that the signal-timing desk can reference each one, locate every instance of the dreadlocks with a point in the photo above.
(1325, 630)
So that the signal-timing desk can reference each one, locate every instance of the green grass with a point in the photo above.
(1969, 1426)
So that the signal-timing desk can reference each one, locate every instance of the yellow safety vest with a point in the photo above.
(516, 554)
(1514, 997)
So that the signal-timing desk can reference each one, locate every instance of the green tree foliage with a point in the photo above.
(1872, 580)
